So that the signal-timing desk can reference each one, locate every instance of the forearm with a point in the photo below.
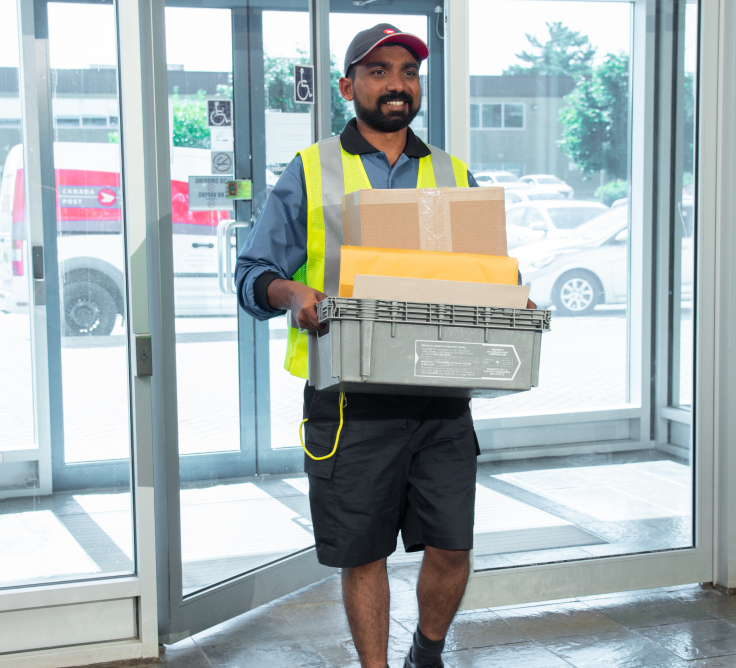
(298, 298)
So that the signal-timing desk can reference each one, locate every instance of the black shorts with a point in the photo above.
(403, 463)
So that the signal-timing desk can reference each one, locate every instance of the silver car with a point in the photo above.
(550, 183)
(589, 267)
(528, 222)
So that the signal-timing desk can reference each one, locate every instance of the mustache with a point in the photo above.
(401, 96)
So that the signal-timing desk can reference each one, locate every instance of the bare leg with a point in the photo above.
(366, 595)
(440, 589)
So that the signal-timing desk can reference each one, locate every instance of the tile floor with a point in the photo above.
(689, 626)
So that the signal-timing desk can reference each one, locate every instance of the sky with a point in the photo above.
(84, 35)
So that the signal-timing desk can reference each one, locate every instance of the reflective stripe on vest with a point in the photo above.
(331, 172)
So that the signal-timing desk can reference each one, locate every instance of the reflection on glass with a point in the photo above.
(541, 73)
(343, 27)
(16, 390)
(67, 535)
(288, 130)
(683, 225)
(200, 85)
(231, 520)
(534, 86)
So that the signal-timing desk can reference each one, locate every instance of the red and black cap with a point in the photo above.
(383, 33)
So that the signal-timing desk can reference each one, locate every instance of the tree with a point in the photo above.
(190, 120)
(688, 158)
(566, 53)
(279, 83)
(595, 124)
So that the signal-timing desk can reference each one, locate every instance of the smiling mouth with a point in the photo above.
(395, 104)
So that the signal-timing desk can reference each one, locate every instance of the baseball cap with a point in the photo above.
(383, 33)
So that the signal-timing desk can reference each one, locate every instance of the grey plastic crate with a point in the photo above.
(431, 349)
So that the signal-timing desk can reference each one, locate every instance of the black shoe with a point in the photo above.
(408, 663)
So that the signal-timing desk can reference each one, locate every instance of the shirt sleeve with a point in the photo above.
(471, 181)
(278, 242)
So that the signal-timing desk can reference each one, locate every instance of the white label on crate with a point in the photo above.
(474, 361)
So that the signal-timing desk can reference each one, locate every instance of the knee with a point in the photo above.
(370, 570)
(450, 560)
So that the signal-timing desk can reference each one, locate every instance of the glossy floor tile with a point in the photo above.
(687, 626)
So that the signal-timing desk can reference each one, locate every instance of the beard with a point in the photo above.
(392, 121)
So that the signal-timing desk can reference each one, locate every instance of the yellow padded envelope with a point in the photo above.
(424, 264)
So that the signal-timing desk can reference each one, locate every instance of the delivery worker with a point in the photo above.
(402, 463)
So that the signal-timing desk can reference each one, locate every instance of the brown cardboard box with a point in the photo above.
(456, 220)
(426, 290)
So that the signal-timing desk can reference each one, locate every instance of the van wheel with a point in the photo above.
(576, 293)
(87, 310)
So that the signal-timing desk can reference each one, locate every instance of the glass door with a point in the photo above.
(240, 532)
(597, 470)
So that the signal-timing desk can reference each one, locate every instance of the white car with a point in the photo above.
(528, 222)
(499, 178)
(589, 267)
(550, 183)
(516, 195)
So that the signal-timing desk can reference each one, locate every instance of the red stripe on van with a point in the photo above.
(181, 213)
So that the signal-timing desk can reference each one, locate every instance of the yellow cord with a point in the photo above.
(339, 429)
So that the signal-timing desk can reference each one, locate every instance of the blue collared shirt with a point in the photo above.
(278, 241)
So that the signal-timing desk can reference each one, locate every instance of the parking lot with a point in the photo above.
(584, 365)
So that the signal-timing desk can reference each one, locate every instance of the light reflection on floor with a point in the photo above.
(528, 515)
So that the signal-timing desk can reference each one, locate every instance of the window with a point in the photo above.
(94, 121)
(67, 122)
(496, 116)
(492, 116)
(474, 117)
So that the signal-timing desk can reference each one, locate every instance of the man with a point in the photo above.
(400, 463)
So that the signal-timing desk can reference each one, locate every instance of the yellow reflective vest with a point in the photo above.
(331, 172)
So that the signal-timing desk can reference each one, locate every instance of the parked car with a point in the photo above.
(498, 177)
(528, 222)
(550, 183)
(516, 195)
(589, 267)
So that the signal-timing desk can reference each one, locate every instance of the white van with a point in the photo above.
(90, 243)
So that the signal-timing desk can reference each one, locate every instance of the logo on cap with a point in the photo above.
(388, 31)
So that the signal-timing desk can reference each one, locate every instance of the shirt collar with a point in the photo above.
(354, 142)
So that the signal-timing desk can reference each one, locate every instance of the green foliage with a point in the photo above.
(595, 122)
(612, 191)
(279, 83)
(190, 120)
(113, 137)
(688, 159)
(342, 110)
(565, 53)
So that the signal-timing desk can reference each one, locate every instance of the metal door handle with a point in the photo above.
(224, 254)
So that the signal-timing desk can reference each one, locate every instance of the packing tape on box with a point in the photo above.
(435, 232)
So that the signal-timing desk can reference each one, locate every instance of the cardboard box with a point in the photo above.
(451, 220)
(470, 267)
(432, 291)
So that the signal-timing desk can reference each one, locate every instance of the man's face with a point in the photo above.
(385, 89)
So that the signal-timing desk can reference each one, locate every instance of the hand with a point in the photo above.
(298, 298)
(530, 304)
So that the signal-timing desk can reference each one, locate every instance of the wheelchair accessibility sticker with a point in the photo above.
(219, 113)
(303, 84)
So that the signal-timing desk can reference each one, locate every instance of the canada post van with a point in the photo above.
(89, 208)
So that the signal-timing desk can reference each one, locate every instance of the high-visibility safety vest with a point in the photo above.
(331, 172)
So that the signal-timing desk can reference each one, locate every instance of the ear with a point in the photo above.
(346, 88)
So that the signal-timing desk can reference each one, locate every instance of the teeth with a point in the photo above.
(395, 103)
